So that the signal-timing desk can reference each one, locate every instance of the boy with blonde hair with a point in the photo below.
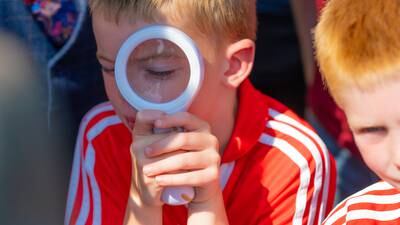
(358, 48)
(249, 158)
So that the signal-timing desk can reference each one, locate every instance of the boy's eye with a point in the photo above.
(372, 130)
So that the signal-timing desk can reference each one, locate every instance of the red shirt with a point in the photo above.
(378, 204)
(275, 169)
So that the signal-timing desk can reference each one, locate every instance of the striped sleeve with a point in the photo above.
(84, 200)
(307, 178)
(376, 204)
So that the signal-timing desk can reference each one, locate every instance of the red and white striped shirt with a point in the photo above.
(376, 204)
(275, 169)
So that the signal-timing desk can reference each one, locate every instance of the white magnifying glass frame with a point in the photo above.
(185, 43)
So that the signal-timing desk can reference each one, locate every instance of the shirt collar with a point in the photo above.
(251, 117)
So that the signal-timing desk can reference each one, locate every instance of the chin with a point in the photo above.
(129, 122)
(394, 183)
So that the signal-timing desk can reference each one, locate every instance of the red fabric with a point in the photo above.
(379, 200)
(271, 181)
(320, 4)
(331, 117)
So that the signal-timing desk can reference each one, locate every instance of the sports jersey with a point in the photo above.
(274, 169)
(376, 204)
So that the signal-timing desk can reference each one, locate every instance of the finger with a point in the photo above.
(144, 121)
(183, 119)
(140, 143)
(179, 162)
(192, 141)
(142, 184)
(195, 178)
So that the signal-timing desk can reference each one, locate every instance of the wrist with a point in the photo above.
(194, 206)
(211, 211)
(139, 213)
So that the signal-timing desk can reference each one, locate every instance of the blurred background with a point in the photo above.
(48, 82)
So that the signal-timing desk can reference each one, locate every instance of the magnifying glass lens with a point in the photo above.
(158, 70)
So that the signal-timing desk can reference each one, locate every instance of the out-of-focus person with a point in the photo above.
(33, 170)
(324, 114)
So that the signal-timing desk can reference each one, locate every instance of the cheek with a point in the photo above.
(199, 105)
(207, 93)
(120, 105)
(110, 86)
(374, 155)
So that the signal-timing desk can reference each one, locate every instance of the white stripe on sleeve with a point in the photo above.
(301, 162)
(286, 119)
(312, 148)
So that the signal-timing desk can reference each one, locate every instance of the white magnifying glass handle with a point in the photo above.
(177, 195)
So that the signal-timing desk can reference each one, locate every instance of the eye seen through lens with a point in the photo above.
(158, 70)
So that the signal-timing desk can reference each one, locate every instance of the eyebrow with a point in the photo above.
(359, 125)
(157, 56)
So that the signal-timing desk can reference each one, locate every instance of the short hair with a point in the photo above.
(358, 43)
(227, 19)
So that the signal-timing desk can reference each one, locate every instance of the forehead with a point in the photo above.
(379, 104)
(111, 35)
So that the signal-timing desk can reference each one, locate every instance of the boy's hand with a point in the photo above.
(189, 158)
(144, 190)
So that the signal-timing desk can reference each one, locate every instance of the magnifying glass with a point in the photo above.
(159, 67)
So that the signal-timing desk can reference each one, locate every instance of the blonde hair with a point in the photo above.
(230, 19)
(358, 43)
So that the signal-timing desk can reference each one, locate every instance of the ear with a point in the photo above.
(240, 58)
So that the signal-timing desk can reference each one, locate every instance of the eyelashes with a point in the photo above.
(160, 74)
(372, 130)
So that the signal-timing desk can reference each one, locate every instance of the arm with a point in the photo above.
(101, 163)
(211, 212)
(144, 205)
(137, 213)
(78, 193)
(304, 14)
(307, 173)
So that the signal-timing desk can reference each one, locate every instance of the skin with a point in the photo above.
(374, 118)
(190, 158)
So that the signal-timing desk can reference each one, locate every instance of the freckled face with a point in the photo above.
(374, 117)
